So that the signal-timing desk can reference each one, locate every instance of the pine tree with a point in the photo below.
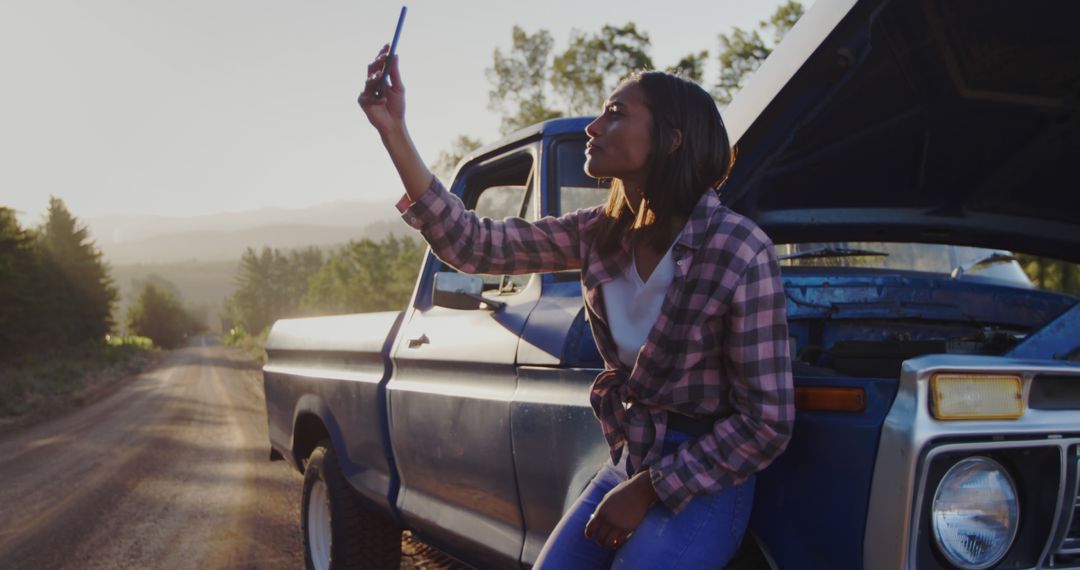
(19, 273)
(80, 294)
(269, 286)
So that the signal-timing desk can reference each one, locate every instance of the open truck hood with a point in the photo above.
(917, 120)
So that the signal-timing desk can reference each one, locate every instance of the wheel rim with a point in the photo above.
(318, 527)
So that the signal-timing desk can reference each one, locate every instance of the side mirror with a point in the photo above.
(460, 291)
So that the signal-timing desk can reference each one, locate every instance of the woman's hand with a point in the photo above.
(386, 113)
(621, 511)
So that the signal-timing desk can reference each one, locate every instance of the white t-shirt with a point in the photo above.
(633, 305)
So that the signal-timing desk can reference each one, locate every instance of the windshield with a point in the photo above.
(926, 257)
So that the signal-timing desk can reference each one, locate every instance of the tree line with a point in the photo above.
(369, 275)
(361, 276)
(56, 291)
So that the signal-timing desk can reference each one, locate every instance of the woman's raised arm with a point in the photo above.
(387, 115)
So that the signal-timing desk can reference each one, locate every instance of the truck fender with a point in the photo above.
(313, 422)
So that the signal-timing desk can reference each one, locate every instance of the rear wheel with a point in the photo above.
(341, 530)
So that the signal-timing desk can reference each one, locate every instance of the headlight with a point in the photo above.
(975, 513)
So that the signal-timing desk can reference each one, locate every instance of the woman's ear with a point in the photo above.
(676, 140)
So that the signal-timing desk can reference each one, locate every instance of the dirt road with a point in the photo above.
(169, 471)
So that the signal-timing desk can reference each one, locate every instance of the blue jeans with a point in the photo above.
(705, 534)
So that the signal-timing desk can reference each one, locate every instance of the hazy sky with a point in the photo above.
(197, 106)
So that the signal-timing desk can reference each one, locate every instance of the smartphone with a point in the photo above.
(381, 87)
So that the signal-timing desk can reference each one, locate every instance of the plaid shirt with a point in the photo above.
(719, 347)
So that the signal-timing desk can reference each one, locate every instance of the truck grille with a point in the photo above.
(1067, 554)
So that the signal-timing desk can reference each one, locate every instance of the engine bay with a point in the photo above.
(864, 323)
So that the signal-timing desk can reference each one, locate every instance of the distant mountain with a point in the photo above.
(123, 228)
(158, 239)
(213, 245)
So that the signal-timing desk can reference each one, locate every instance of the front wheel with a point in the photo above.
(341, 530)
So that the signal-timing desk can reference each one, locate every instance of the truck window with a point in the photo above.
(576, 190)
(925, 257)
(499, 202)
(501, 191)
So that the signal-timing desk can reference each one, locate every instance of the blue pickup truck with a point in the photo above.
(897, 152)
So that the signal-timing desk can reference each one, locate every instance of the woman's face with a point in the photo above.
(620, 139)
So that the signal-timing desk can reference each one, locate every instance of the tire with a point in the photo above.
(341, 530)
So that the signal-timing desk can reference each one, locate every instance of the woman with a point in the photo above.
(686, 307)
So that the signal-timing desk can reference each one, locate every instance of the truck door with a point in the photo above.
(558, 444)
(451, 390)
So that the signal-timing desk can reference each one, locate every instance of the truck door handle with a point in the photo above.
(418, 342)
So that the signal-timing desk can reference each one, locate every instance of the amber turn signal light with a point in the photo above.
(831, 399)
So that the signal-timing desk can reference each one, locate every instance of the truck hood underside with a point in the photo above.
(947, 122)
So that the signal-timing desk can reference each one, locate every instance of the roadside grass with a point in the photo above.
(40, 380)
(255, 345)
(129, 340)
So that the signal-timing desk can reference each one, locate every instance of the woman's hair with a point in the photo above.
(676, 180)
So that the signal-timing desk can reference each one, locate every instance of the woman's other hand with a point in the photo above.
(386, 113)
(621, 511)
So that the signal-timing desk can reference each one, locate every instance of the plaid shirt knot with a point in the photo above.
(612, 399)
